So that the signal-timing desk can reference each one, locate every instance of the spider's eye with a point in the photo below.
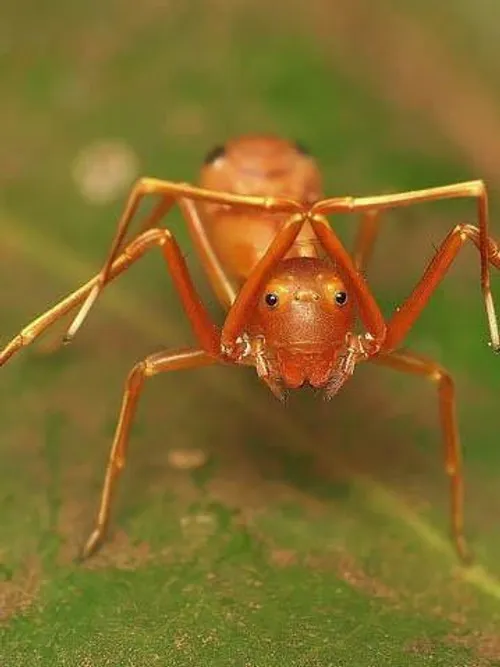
(271, 299)
(340, 298)
(214, 154)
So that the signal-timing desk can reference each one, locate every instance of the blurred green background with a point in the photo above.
(314, 534)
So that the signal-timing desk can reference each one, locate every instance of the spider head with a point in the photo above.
(302, 318)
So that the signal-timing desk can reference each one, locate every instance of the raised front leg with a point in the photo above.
(169, 193)
(239, 313)
(369, 311)
(204, 329)
(468, 189)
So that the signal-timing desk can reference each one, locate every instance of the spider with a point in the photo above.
(294, 295)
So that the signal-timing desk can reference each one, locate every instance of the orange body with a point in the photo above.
(293, 291)
(304, 325)
(258, 166)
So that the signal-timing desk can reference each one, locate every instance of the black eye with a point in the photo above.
(303, 150)
(271, 299)
(340, 298)
(214, 154)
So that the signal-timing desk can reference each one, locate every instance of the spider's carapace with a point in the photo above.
(304, 313)
(299, 308)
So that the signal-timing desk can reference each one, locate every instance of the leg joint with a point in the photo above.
(144, 186)
(166, 237)
(437, 375)
(464, 230)
(441, 377)
(479, 188)
(137, 375)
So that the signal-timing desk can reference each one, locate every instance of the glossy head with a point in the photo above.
(304, 314)
(263, 165)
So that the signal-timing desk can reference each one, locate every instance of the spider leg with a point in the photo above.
(368, 231)
(472, 189)
(204, 329)
(151, 220)
(409, 362)
(405, 316)
(218, 278)
(161, 362)
(255, 283)
(171, 193)
(370, 313)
